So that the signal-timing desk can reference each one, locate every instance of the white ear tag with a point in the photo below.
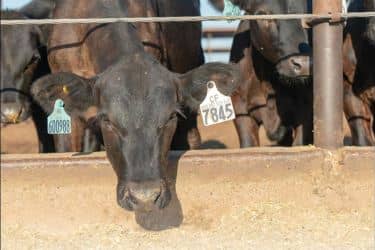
(59, 121)
(216, 107)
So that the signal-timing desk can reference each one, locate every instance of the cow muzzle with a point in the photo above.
(295, 66)
(12, 113)
(143, 196)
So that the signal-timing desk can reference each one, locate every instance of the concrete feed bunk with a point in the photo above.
(298, 198)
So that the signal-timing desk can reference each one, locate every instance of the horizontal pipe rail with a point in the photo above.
(333, 16)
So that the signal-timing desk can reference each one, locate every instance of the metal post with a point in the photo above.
(328, 77)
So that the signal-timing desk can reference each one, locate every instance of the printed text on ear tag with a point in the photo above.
(59, 121)
(216, 107)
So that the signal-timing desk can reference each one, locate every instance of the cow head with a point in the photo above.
(137, 104)
(284, 43)
(19, 61)
(369, 5)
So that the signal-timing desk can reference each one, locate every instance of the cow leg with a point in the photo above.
(359, 118)
(247, 130)
(187, 135)
(298, 136)
(45, 140)
(303, 133)
(304, 117)
(72, 142)
(92, 140)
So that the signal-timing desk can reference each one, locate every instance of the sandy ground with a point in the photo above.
(302, 204)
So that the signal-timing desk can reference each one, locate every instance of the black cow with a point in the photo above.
(87, 50)
(137, 101)
(279, 55)
(23, 59)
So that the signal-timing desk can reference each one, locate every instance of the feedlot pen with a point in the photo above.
(269, 198)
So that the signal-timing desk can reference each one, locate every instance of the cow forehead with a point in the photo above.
(136, 106)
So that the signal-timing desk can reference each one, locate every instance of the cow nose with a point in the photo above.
(11, 113)
(143, 192)
(296, 65)
(143, 196)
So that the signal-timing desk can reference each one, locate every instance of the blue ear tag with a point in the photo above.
(59, 121)
(230, 9)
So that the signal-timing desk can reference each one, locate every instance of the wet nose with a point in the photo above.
(145, 192)
(296, 65)
(11, 113)
(300, 65)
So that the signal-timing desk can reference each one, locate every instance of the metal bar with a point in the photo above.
(184, 18)
(328, 77)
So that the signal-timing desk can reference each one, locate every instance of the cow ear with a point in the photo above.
(76, 92)
(192, 86)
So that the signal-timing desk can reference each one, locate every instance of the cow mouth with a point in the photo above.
(279, 134)
(145, 198)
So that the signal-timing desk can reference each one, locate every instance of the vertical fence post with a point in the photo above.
(328, 77)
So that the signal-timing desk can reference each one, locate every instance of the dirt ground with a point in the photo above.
(263, 204)
(21, 138)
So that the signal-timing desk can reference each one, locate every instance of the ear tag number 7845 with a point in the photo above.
(216, 107)
(59, 121)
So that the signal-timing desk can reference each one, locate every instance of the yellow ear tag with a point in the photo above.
(65, 90)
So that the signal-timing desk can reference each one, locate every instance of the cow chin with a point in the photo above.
(143, 196)
(294, 67)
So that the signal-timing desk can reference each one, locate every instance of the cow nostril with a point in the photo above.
(144, 195)
(12, 115)
(296, 65)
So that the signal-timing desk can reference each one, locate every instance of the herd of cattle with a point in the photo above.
(136, 88)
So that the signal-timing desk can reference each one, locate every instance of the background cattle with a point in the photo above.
(288, 111)
(254, 101)
(23, 59)
(359, 51)
(279, 61)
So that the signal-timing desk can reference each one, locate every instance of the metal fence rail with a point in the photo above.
(333, 16)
